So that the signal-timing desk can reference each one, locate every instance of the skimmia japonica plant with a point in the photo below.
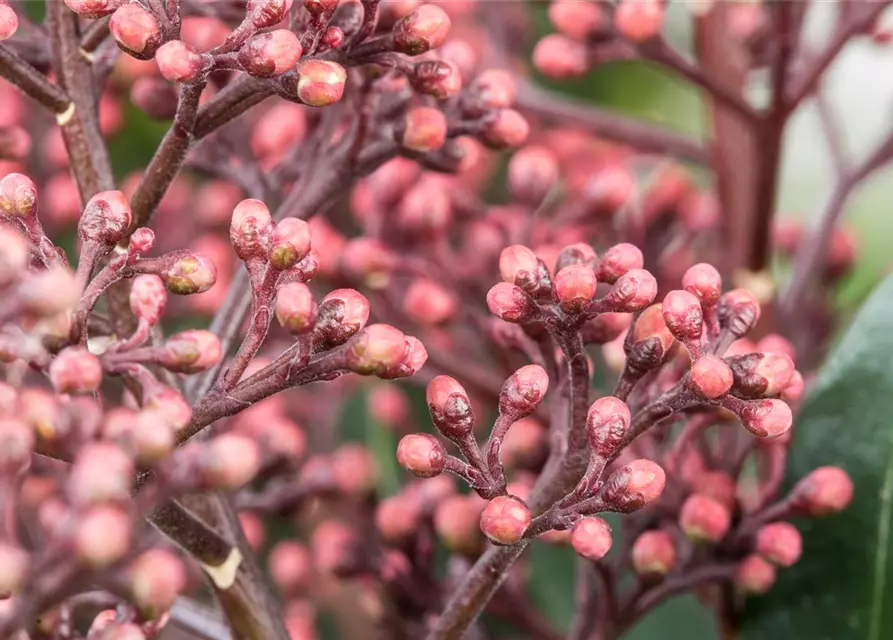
(606, 338)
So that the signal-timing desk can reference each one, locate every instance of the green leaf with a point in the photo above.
(680, 617)
(843, 585)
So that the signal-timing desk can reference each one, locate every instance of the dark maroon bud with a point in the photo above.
(738, 311)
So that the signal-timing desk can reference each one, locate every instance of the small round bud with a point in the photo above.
(290, 566)
(142, 240)
(106, 218)
(617, 261)
(289, 243)
(761, 374)
(711, 376)
(794, 391)
(754, 575)
(320, 82)
(170, 403)
(633, 291)
(14, 560)
(654, 553)
(575, 286)
(178, 62)
(523, 391)
(578, 253)
(704, 519)
(429, 303)
(18, 195)
(639, 20)
(191, 351)
(449, 406)
(559, 57)
(150, 436)
(193, 273)
(494, 89)
(422, 454)
(634, 486)
(532, 172)
(397, 519)
(505, 519)
(704, 281)
(424, 129)
(369, 260)
(102, 536)
(267, 13)
(607, 422)
(342, 313)
(156, 579)
(93, 8)
(424, 29)
(591, 538)
(148, 298)
(414, 358)
(577, 20)
(780, 543)
(738, 311)
(271, 53)
(767, 418)
(155, 96)
(457, 523)
(651, 339)
(355, 470)
(296, 310)
(135, 30)
(332, 38)
(101, 472)
(9, 22)
(683, 316)
(510, 303)
(250, 229)
(824, 491)
(519, 265)
(774, 342)
(505, 129)
(376, 349)
(16, 445)
(438, 78)
(75, 370)
(230, 461)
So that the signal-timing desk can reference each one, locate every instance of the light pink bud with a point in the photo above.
(18, 195)
(389, 407)
(15, 256)
(495, 89)
(170, 403)
(295, 308)
(591, 538)
(654, 553)
(704, 519)
(523, 391)
(397, 519)
(424, 29)
(16, 445)
(607, 422)
(704, 281)
(518, 265)
(320, 82)
(532, 172)
(711, 376)
(267, 13)
(191, 351)
(135, 30)
(355, 470)
(230, 461)
(156, 579)
(457, 523)
(101, 472)
(342, 313)
(510, 303)
(683, 316)
(75, 370)
(780, 543)
(619, 260)
(639, 20)
(422, 454)
(148, 298)
(634, 486)
(438, 78)
(505, 129)
(762, 374)
(142, 240)
(270, 54)
(767, 418)
(633, 291)
(505, 519)
(106, 217)
(50, 292)
(368, 259)
(193, 273)
(93, 8)
(754, 575)
(559, 57)
(429, 303)
(575, 286)
(577, 20)
(449, 406)
(14, 560)
(290, 566)
(9, 22)
(289, 243)
(332, 38)
(102, 536)
(794, 391)
(718, 485)
(250, 229)
(738, 311)
(376, 349)
(424, 129)
(824, 491)
(414, 358)
(651, 338)
(151, 436)
(178, 62)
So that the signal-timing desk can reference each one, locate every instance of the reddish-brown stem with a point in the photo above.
(31, 82)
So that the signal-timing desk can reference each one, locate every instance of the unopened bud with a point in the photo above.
(424, 29)
(759, 375)
(617, 261)
(510, 303)
(368, 259)
(75, 370)
(106, 218)
(525, 445)
(290, 566)
(14, 560)
(591, 538)
(703, 519)
(424, 129)
(9, 22)
(780, 543)
(654, 553)
(577, 20)
(289, 243)
(457, 523)
(683, 316)
(578, 253)
(230, 461)
(766, 418)
(607, 422)
(651, 339)
(148, 298)
(794, 391)
(332, 38)
(776, 342)
(342, 313)
(18, 195)
(397, 519)
(704, 281)
(438, 78)
(450, 407)
(101, 472)
(355, 470)
(505, 129)
(17, 442)
(824, 491)
(634, 486)
(560, 57)
(523, 391)
(191, 351)
(519, 265)
(93, 8)
(178, 62)
(494, 89)
(633, 291)
(135, 30)
(429, 303)
(422, 454)
(154, 96)
(102, 536)
(415, 355)
(170, 403)
(320, 82)
(156, 578)
(296, 310)
(270, 54)
(738, 311)
(250, 229)
(193, 273)
(142, 240)
(151, 437)
(376, 349)
(711, 376)
(639, 20)
(532, 172)
(754, 575)
(505, 519)
(267, 13)
(575, 286)
(605, 327)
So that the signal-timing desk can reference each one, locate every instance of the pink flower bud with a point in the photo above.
(575, 286)
(449, 406)
(191, 351)
(271, 53)
(397, 519)
(389, 407)
(355, 470)
(519, 265)
(607, 422)
(267, 13)
(738, 311)
(775, 342)
(250, 229)
(824, 491)
(577, 20)
(438, 78)
(654, 553)
(495, 89)
(422, 454)
(683, 316)
(591, 538)
(230, 461)
(505, 129)
(634, 486)
(414, 358)
(794, 391)
(342, 313)
(178, 62)
(424, 29)
(290, 566)
(376, 349)
(102, 536)
(142, 240)
(9, 22)
(15, 256)
(711, 376)
(424, 129)
(523, 391)
(639, 20)
(75, 370)
(16, 445)
(704, 519)
(155, 96)
(156, 579)
(332, 38)
(510, 303)
(504, 520)
(429, 303)
(320, 82)
(295, 308)
(150, 436)
(18, 195)
(101, 472)
(135, 30)
(170, 403)
(50, 292)
(14, 560)
(651, 338)
(368, 259)
(633, 291)
(193, 273)
(754, 575)
(617, 261)
(106, 217)
(289, 243)
(761, 374)
(532, 172)
(578, 253)
(559, 57)
(457, 523)
(93, 8)
(767, 418)
(780, 543)
(148, 298)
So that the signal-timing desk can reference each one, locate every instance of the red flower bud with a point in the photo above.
(559, 57)
(106, 218)
(424, 29)
(711, 376)
(191, 351)
(102, 536)
(320, 82)
(651, 339)
(457, 523)
(156, 579)
(342, 313)
(633, 291)
(332, 38)
(93, 8)
(824, 491)
(148, 298)
(577, 20)
(704, 519)
(494, 89)
(738, 311)
(519, 265)
(135, 30)
(250, 229)
(75, 370)
(505, 129)
(639, 20)
(761, 374)
(267, 13)
(270, 54)
(654, 553)
(428, 303)
(754, 575)
(767, 418)
(414, 358)
(438, 78)
(510, 303)
(14, 560)
(178, 62)
(18, 195)
(376, 349)
(634, 486)
(9, 22)
(532, 172)
(290, 566)
(505, 519)
(101, 472)
(591, 538)
(607, 422)
(780, 543)
(424, 129)
(682, 314)
(142, 240)
(193, 273)
(575, 286)
(617, 261)
(422, 454)
(450, 407)
(295, 308)
(289, 243)
(523, 391)
(230, 461)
